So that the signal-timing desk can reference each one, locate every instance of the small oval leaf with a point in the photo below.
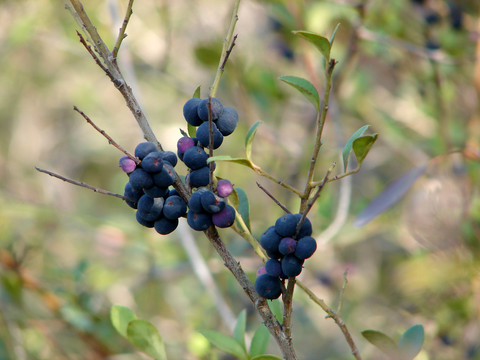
(241, 161)
(411, 342)
(249, 139)
(243, 206)
(260, 341)
(225, 343)
(192, 130)
(390, 196)
(381, 341)
(321, 43)
(362, 145)
(196, 93)
(120, 316)
(305, 87)
(276, 309)
(146, 338)
(239, 331)
(347, 149)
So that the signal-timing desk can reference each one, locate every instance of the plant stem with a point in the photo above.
(261, 172)
(228, 44)
(121, 34)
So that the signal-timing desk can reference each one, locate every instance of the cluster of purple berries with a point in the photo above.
(147, 189)
(287, 249)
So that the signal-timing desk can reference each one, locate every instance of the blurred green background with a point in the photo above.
(410, 69)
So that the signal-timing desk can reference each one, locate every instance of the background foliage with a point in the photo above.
(68, 254)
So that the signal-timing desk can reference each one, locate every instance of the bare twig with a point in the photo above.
(342, 291)
(284, 208)
(228, 52)
(108, 137)
(121, 33)
(81, 184)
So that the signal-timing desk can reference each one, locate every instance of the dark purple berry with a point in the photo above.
(184, 143)
(287, 246)
(305, 229)
(195, 158)
(165, 226)
(212, 203)
(144, 148)
(273, 267)
(268, 286)
(195, 202)
(270, 241)
(227, 122)
(142, 221)
(291, 265)
(200, 177)
(190, 111)
(174, 207)
(286, 225)
(156, 191)
(153, 162)
(170, 157)
(216, 106)
(203, 135)
(224, 187)
(133, 195)
(165, 177)
(127, 164)
(140, 179)
(199, 221)
(224, 218)
(150, 208)
(306, 246)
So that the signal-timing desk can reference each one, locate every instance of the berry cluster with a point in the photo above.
(147, 189)
(287, 249)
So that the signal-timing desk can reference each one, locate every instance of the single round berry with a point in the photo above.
(270, 241)
(286, 225)
(306, 246)
(153, 162)
(165, 226)
(273, 267)
(199, 221)
(212, 203)
(142, 221)
(170, 157)
(195, 158)
(165, 177)
(184, 143)
(144, 148)
(216, 106)
(127, 164)
(305, 229)
(224, 218)
(156, 191)
(190, 111)
(203, 135)
(287, 246)
(140, 179)
(268, 286)
(150, 208)
(291, 265)
(174, 207)
(200, 177)
(224, 187)
(132, 195)
(195, 202)
(227, 122)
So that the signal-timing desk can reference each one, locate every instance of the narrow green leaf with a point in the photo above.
(249, 139)
(265, 357)
(192, 130)
(183, 132)
(381, 341)
(321, 43)
(305, 87)
(347, 149)
(225, 343)
(196, 93)
(146, 338)
(362, 146)
(239, 331)
(332, 38)
(276, 309)
(411, 342)
(241, 161)
(120, 316)
(260, 341)
(243, 206)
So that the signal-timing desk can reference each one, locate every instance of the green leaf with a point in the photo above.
(241, 161)
(265, 357)
(260, 341)
(239, 331)
(362, 146)
(192, 130)
(411, 342)
(332, 38)
(249, 139)
(120, 316)
(321, 43)
(381, 341)
(225, 343)
(146, 338)
(305, 87)
(243, 206)
(196, 93)
(347, 149)
(183, 132)
(276, 309)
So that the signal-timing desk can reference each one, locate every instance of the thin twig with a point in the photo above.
(228, 52)
(81, 184)
(121, 34)
(261, 172)
(108, 137)
(284, 208)
(342, 291)
(288, 307)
